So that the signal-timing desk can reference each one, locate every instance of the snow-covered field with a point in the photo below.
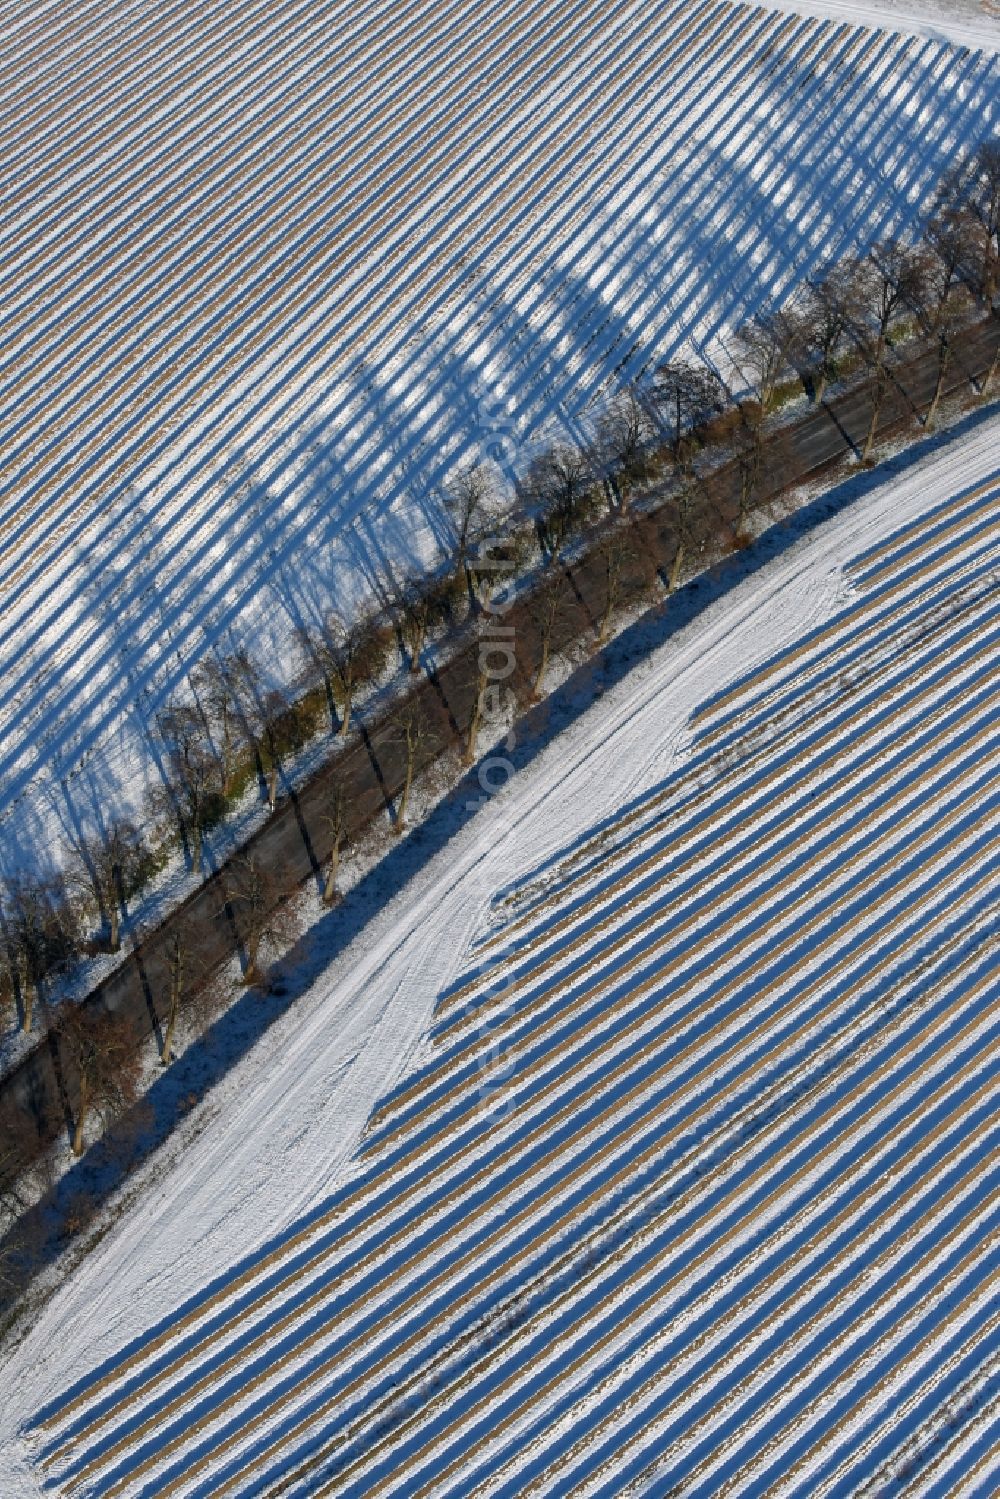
(969, 23)
(679, 1070)
(269, 269)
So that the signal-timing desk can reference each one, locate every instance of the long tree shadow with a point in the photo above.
(196, 609)
(207, 1060)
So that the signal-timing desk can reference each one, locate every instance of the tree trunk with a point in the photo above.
(750, 465)
(196, 849)
(609, 606)
(943, 363)
(819, 389)
(227, 754)
(333, 707)
(870, 437)
(939, 309)
(880, 345)
(27, 1004)
(878, 396)
(477, 718)
(176, 979)
(114, 933)
(251, 975)
(536, 686)
(675, 568)
(746, 492)
(470, 588)
(345, 722)
(272, 786)
(330, 888)
(81, 1117)
(990, 373)
(404, 796)
(416, 648)
(166, 1049)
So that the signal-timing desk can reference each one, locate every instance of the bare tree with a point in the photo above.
(687, 530)
(421, 605)
(9, 985)
(615, 550)
(748, 452)
(690, 395)
(974, 192)
(893, 279)
(180, 990)
(829, 306)
(878, 388)
(476, 720)
(227, 687)
(194, 988)
(413, 607)
(471, 501)
(347, 657)
(268, 720)
(794, 327)
(177, 970)
(953, 236)
(990, 375)
(39, 934)
(624, 439)
(949, 320)
(500, 558)
(108, 868)
(260, 898)
(193, 793)
(977, 189)
(102, 1054)
(559, 489)
(677, 564)
(411, 728)
(279, 733)
(336, 821)
(545, 604)
(762, 350)
(480, 690)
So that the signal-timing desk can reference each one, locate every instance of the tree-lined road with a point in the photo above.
(38, 1098)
